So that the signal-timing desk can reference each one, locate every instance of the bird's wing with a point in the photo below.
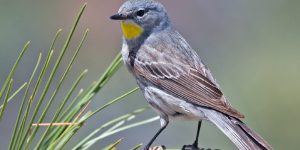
(183, 81)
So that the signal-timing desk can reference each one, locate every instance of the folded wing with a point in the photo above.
(186, 83)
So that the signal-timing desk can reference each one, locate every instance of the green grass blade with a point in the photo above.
(59, 144)
(92, 90)
(6, 98)
(93, 113)
(45, 67)
(107, 124)
(106, 134)
(55, 39)
(15, 93)
(113, 67)
(86, 96)
(113, 145)
(59, 131)
(53, 72)
(131, 126)
(56, 118)
(35, 109)
(61, 107)
(11, 73)
(21, 137)
(16, 127)
(75, 105)
(70, 106)
(56, 131)
(137, 147)
(58, 87)
(61, 140)
(113, 101)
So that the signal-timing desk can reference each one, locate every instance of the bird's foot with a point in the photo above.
(194, 147)
(190, 147)
(162, 147)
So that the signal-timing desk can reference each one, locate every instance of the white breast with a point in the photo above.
(167, 104)
(125, 51)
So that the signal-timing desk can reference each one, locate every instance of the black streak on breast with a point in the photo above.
(132, 55)
(135, 45)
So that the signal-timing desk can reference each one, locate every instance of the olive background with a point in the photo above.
(252, 48)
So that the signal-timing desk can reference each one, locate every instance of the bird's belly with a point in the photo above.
(166, 104)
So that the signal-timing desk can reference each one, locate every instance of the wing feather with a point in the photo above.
(186, 83)
(169, 63)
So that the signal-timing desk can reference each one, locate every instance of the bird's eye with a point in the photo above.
(140, 13)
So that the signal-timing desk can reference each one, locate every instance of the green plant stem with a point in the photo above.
(15, 93)
(107, 124)
(60, 108)
(112, 102)
(6, 98)
(113, 145)
(16, 127)
(88, 144)
(108, 73)
(35, 109)
(20, 140)
(11, 73)
(32, 97)
(67, 139)
(58, 87)
(56, 131)
(86, 96)
(137, 147)
(66, 45)
(58, 32)
(70, 106)
(65, 135)
(87, 116)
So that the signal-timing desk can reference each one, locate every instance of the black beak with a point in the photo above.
(118, 17)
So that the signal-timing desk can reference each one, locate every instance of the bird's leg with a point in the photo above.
(164, 122)
(194, 146)
(198, 132)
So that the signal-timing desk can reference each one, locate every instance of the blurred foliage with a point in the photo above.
(68, 117)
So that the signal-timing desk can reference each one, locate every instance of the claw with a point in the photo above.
(194, 147)
(162, 147)
(191, 147)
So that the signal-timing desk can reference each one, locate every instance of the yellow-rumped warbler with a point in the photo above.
(172, 77)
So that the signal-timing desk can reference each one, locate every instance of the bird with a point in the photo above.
(172, 77)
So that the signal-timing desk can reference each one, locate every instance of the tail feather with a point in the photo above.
(241, 135)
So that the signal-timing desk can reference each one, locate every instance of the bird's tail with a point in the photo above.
(241, 135)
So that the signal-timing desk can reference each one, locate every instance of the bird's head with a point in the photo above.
(140, 17)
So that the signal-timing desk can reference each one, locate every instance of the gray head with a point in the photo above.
(148, 15)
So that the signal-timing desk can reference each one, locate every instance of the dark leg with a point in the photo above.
(194, 146)
(164, 124)
(197, 136)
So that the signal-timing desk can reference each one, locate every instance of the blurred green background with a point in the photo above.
(252, 48)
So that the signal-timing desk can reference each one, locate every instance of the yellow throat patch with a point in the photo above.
(131, 30)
